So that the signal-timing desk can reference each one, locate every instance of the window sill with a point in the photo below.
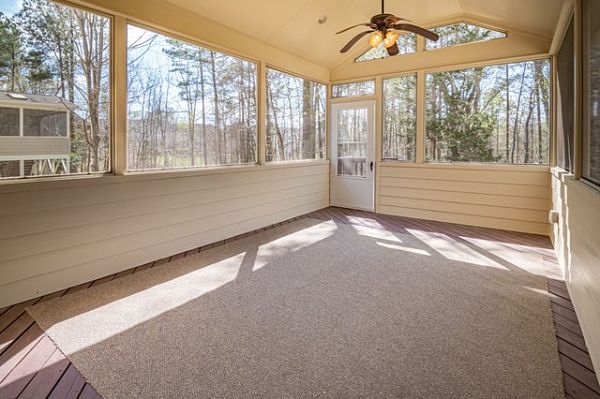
(560, 173)
(467, 166)
(59, 182)
(585, 187)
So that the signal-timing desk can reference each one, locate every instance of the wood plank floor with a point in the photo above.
(31, 366)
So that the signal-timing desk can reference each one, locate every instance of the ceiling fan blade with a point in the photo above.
(354, 40)
(393, 50)
(419, 31)
(372, 26)
(392, 20)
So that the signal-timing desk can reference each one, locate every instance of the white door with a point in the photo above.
(353, 155)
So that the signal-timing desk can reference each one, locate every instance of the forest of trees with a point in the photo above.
(354, 89)
(497, 113)
(352, 142)
(487, 114)
(400, 118)
(490, 114)
(296, 111)
(188, 106)
(51, 49)
(462, 33)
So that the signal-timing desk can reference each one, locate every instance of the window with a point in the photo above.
(352, 131)
(462, 33)
(54, 88)
(10, 121)
(591, 91)
(565, 101)
(44, 123)
(10, 169)
(495, 113)
(407, 43)
(399, 118)
(188, 106)
(354, 89)
(295, 117)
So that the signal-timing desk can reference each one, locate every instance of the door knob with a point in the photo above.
(371, 166)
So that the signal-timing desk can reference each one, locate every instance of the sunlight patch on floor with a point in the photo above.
(538, 291)
(403, 248)
(144, 305)
(451, 249)
(376, 233)
(292, 243)
(533, 263)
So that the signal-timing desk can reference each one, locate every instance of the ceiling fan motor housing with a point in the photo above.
(379, 20)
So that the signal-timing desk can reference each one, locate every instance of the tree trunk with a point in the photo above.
(308, 121)
(216, 107)
(277, 130)
(517, 115)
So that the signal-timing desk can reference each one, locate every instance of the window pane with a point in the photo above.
(188, 106)
(54, 64)
(591, 90)
(407, 43)
(41, 123)
(40, 167)
(10, 169)
(354, 89)
(565, 101)
(9, 121)
(489, 114)
(461, 33)
(295, 117)
(34, 167)
(399, 118)
(352, 139)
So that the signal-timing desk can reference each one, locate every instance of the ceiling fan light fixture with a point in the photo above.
(391, 38)
(385, 25)
(375, 39)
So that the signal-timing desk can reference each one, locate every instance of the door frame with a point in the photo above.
(371, 105)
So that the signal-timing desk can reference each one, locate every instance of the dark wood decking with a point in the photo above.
(31, 366)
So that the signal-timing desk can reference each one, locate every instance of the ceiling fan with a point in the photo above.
(383, 29)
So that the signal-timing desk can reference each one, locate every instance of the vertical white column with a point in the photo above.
(578, 128)
(378, 137)
(578, 93)
(21, 122)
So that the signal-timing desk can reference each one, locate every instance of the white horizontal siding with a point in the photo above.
(33, 146)
(509, 198)
(55, 238)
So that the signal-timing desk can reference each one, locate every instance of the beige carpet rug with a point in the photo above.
(311, 309)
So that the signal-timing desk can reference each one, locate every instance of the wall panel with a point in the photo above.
(497, 196)
(56, 237)
(576, 241)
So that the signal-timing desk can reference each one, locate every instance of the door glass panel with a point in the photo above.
(352, 136)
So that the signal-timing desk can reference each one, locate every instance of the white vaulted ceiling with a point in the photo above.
(292, 25)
